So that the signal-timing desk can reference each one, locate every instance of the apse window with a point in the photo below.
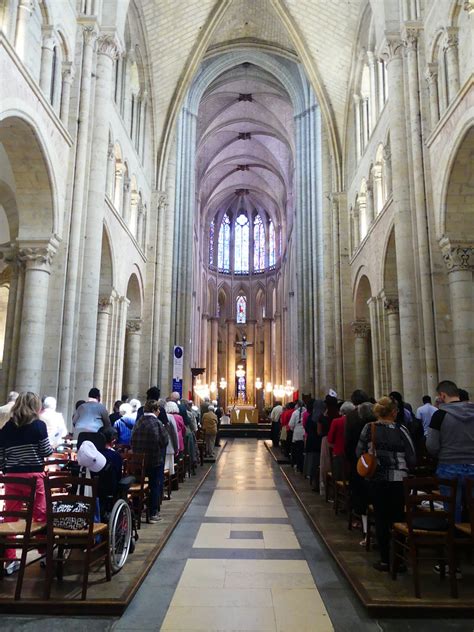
(242, 244)
(259, 245)
(223, 246)
(241, 310)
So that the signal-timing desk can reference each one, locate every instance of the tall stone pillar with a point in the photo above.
(109, 189)
(278, 349)
(132, 356)
(250, 377)
(375, 339)
(459, 260)
(431, 76)
(203, 356)
(67, 77)
(423, 248)
(267, 357)
(10, 258)
(106, 53)
(356, 226)
(214, 348)
(336, 249)
(103, 318)
(230, 360)
(358, 134)
(370, 203)
(125, 211)
(410, 335)
(387, 158)
(452, 62)
(37, 261)
(361, 331)
(47, 55)
(72, 285)
(118, 187)
(373, 75)
(396, 376)
(25, 9)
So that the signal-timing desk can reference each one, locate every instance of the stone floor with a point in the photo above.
(243, 557)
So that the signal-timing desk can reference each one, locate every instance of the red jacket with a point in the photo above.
(285, 417)
(336, 435)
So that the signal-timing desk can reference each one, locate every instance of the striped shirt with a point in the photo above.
(23, 449)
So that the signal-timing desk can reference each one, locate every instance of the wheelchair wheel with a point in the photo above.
(120, 534)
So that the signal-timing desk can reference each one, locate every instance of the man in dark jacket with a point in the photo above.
(451, 439)
(149, 438)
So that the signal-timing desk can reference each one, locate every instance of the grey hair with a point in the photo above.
(346, 407)
(211, 408)
(366, 411)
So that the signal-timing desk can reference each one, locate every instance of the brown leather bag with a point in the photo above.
(367, 463)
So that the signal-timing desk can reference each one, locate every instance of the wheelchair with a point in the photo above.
(114, 505)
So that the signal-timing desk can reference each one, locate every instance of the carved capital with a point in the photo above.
(410, 37)
(162, 200)
(90, 34)
(49, 38)
(391, 305)
(37, 257)
(431, 74)
(451, 38)
(387, 154)
(67, 71)
(134, 325)
(393, 47)
(104, 303)
(108, 45)
(111, 152)
(360, 328)
(469, 7)
(126, 184)
(458, 257)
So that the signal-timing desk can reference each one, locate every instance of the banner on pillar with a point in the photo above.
(178, 387)
(178, 353)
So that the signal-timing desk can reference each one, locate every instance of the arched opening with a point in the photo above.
(131, 377)
(392, 318)
(362, 336)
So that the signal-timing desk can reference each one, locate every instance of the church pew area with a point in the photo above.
(382, 596)
(103, 598)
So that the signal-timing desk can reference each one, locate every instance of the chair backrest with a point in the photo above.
(136, 467)
(82, 506)
(97, 438)
(27, 499)
(421, 494)
(470, 502)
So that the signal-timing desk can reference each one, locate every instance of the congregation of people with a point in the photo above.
(165, 431)
(326, 439)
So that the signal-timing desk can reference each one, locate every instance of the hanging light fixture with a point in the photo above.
(278, 391)
(258, 383)
(223, 383)
(269, 387)
(240, 371)
(201, 390)
(213, 387)
(289, 389)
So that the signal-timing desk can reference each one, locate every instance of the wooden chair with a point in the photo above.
(426, 528)
(139, 491)
(92, 539)
(181, 470)
(167, 485)
(17, 528)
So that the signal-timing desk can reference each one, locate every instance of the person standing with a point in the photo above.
(275, 419)
(395, 455)
(54, 422)
(6, 409)
(336, 436)
(425, 413)
(24, 446)
(451, 439)
(149, 438)
(297, 427)
(91, 416)
(209, 425)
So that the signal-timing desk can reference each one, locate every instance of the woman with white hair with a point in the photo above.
(125, 424)
(173, 410)
(172, 448)
(54, 421)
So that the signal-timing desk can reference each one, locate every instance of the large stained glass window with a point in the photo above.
(223, 246)
(241, 259)
(271, 245)
(211, 243)
(258, 245)
(241, 310)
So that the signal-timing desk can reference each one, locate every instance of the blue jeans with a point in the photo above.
(459, 472)
(161, 472)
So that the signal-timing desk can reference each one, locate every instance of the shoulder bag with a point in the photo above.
(367, 463)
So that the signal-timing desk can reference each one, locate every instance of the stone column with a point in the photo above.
(132, 357)
(106, 53)
(230, 360)
(369, 209)
(110, 171)
(423, 249)
(374, 106)
(358, 144)
(25, 9)
(214, 344)
(336, 248)
(452, 62)
(396, 376)
(67, 76)
(118, 186)
(37, 261)
(47, 55)
(267, 357)
(387, 157)
(71, 306)
(278, 349)
(250, 376)
(103, 318)
(410, 334)
(203, 356)
(118, 95)
(356, 225)
(10, 258)
(361, 331)
(375, 340)
(431, 76)
(459, 260)
(125, 211)
(140, 214)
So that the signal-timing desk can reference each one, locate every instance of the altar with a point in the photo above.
(244, 414)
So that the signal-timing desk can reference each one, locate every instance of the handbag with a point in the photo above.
(367, 463)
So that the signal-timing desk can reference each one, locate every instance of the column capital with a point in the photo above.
(126, 183)
(108, 45)
(457, 256)
(411, 33)
(67, 71)
(469, 7)
(162, 201)
(39, 256)
(134, 325)
(90, 33)
(48, 37)
(431, 73)
(391, 304)
(111, 151)
(451, 37)
(393, 47)
(360, 328)
(104, 303)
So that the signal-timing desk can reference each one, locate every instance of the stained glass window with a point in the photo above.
(271, 245)
(241, 310)
(241, 389)
(211, 243)
(223, 246)
(258, 245)
(241, 263)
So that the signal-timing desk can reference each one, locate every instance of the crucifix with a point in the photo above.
(243, 347)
